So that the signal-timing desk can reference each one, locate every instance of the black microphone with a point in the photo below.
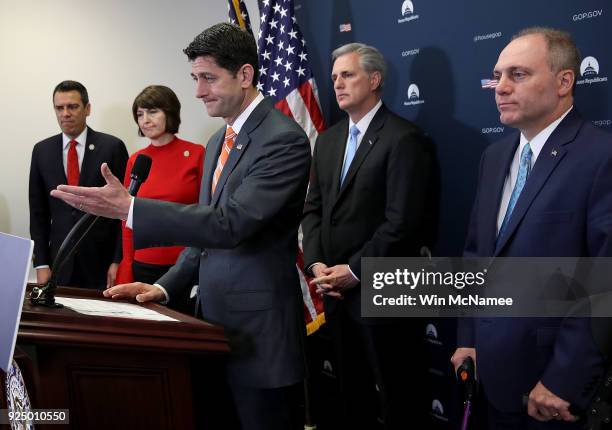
(46, 296)
(140, 173)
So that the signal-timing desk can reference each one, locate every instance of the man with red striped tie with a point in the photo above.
(73, 157)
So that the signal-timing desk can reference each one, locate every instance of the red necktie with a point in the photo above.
(73, 164)
(225, 150)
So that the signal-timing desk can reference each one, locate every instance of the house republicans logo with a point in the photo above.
(328, 369)
(431, 335)
(407, 12)
(589, 67)
(437, 410)
(414, 96)
(589, 70)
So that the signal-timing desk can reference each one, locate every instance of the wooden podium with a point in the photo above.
(117, 373)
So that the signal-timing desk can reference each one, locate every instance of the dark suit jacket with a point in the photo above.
(243, 244)
(564, 210)
(382, 208)
(51, 219)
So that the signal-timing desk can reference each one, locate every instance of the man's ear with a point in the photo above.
(245, 74)
(565, 81)
(375, 80)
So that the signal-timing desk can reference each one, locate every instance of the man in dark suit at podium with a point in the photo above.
(367, 198)
(544, 191)
(73, 157)
(242, 236)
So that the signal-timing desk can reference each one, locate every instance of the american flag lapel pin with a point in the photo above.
(553, 153)
(239, 147)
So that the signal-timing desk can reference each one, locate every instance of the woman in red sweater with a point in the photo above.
(175, 176)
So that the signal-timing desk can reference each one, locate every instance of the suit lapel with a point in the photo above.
(366, 145)
(549, 158)
(56, 161)
(492, 192)
(336, 156)
(90, 153)
(240, 145)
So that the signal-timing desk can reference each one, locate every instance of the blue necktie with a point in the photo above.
(523, 173)
(351, 149)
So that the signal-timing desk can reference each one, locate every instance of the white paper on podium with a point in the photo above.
(104, 308)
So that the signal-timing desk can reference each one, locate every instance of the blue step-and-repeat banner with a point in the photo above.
(439, 52)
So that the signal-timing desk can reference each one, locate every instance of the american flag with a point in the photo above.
(488, 83)
(284, 70)
(345, 27)
(285, 75)
(239, 15)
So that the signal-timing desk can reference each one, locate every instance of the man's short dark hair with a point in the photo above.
(163, 98)
(66, 86)
(228, 45)
(562, 50)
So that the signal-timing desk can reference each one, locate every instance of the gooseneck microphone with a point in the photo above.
(45, 296)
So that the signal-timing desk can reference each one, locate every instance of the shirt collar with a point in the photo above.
(81, 139)
(364, 122)
(244, 115)
(538, 141)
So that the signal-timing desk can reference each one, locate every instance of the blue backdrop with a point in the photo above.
(441, 50)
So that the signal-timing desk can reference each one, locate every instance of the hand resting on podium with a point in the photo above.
(138, 291)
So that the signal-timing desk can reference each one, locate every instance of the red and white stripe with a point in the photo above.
(302, 104)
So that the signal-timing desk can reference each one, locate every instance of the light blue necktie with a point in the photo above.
(351, 149)
(523, 173)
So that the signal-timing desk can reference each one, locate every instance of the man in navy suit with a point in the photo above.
(77, 153)
(543, 192)
(241, 237)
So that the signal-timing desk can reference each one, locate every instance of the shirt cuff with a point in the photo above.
(349, 267)
(129, 220)
(165, 294)
(42, 266)
(309, 268)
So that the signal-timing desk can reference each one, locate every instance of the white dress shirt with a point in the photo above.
(536, 144)
(362, 125)
(80, 148)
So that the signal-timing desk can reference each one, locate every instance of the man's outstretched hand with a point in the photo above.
(109, 201)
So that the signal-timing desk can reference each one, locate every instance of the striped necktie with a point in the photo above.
(523, 173)
(228, 142)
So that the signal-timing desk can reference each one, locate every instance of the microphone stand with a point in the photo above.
(45, 296)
